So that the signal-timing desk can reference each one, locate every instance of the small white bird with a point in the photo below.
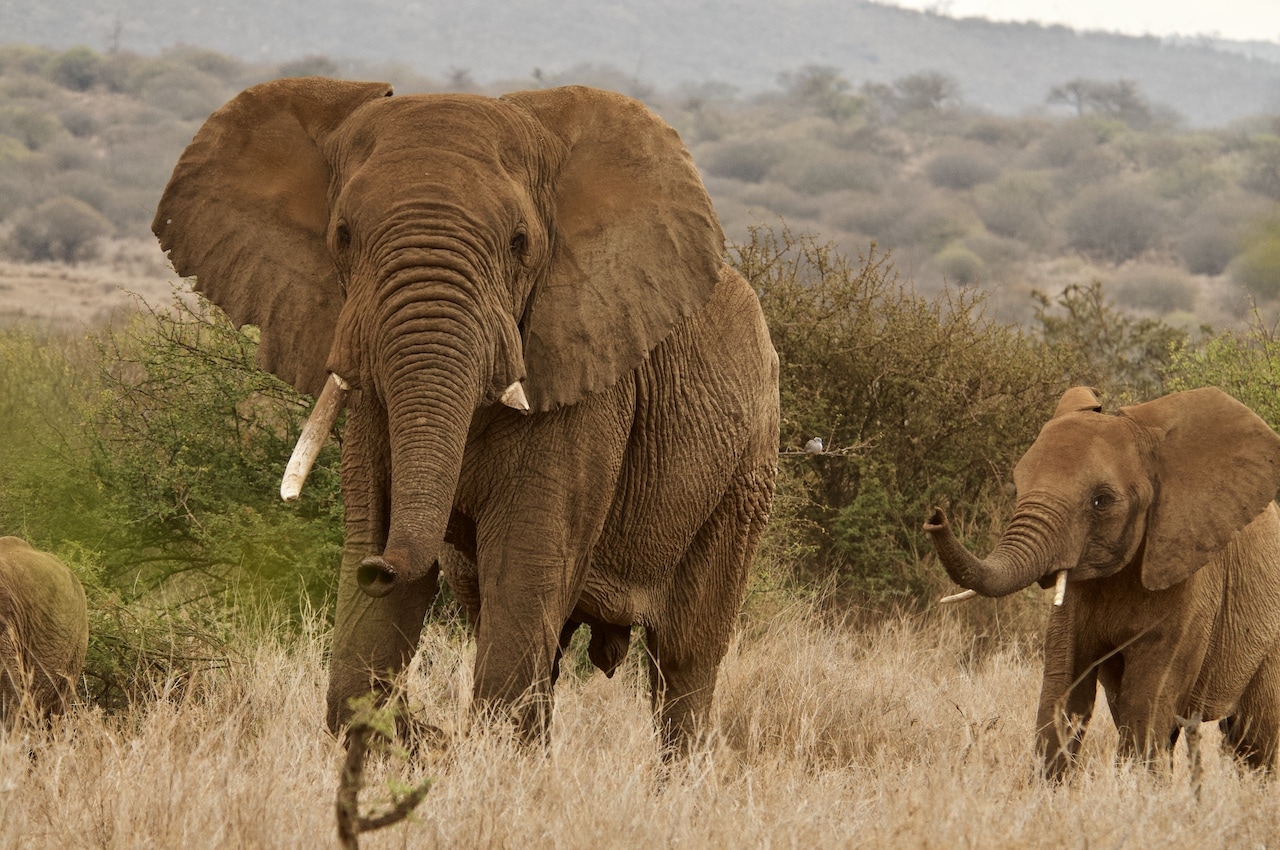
(814, 446)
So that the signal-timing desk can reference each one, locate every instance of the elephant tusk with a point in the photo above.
(314, 434)
(514, 397)
(958, 597)
(1060, 589)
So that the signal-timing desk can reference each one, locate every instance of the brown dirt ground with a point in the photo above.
(65, 297)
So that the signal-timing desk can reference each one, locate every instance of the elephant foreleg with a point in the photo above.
(1066, 698)
(373, 639)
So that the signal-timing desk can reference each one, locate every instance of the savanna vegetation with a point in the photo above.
(146, 453)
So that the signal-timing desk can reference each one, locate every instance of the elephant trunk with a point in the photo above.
(1019, 559)
(432, 390)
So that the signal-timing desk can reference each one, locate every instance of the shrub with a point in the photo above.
(1262, 171)
(48, 497)
(1102, 346)
(814, 170)
(184, 92)
(959, 264)
(1214, 232)
(1115, 223)
(1245, 365)
(962, 167)
(33, 127)
(189, 439)
(922, 402)
(78, 69)
(1018, 206)
(1257, 268)
(749, 160)
(1159, 288)
(61, 229)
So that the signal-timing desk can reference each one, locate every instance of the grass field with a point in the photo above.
(908, 734)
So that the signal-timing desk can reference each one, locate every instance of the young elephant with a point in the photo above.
(44, 631)
(1163, 517)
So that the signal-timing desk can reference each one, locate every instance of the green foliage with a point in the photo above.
(1257, 268)
(137, 642)
(188, 442)
(1102, 346)
(1246, 365)
(78, 69)
(920, 401)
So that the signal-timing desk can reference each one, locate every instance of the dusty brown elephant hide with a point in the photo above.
(551, 367)
(1164, 518)
(44, 632)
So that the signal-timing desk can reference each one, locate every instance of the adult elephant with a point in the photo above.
(550, 365)
(44, 632)
(1163, 517)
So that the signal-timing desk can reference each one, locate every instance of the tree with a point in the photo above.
(1120, 99)
(929, 91)
(822, 87)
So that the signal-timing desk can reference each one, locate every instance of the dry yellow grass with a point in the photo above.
(902, 735)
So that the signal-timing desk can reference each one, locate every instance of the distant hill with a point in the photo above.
(1003, 67)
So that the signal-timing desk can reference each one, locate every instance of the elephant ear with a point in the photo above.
(246, 213)
(1217, 466)
(1078, 400)
(636, 244)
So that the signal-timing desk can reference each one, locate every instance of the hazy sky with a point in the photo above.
(1235, 19)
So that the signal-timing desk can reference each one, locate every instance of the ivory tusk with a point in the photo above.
(514, 397)
(314, 434)
(1060, 589)
(958, 597)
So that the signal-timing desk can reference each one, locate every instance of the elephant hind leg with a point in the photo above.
(1252, 732)
(688, 642)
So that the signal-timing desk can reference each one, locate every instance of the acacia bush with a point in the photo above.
(1115, 223)
(139, 643)
(188, 442)
(921, 401)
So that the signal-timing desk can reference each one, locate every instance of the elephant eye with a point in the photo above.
(519, 244)
(342, 236)
(1102, 501)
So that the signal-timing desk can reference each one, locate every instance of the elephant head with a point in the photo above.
(438, 255)
(1162, 486)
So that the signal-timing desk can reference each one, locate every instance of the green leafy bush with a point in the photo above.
(1100, 345)
(1246, 365)
(920, 401)
(1257, 268)
(189, 440)
(138, 642)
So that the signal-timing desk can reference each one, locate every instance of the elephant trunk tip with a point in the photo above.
(936, 522)
(376, 576)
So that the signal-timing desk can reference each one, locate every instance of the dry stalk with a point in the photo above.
(1191, 731)
(350, 822)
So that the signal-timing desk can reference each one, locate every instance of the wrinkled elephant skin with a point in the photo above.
(558, 389)
(44, 632)
(1163, 517)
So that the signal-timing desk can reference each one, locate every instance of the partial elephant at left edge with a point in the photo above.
(44, 633)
